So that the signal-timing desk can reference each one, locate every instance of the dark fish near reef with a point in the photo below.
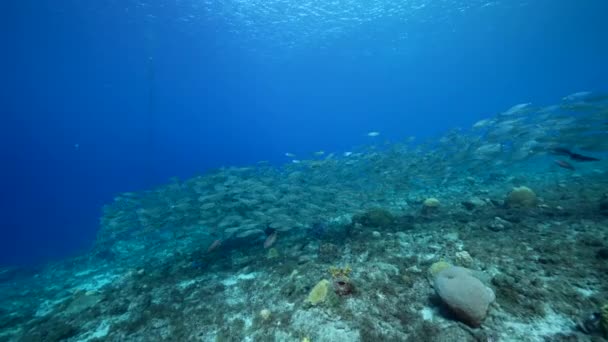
(562, 151)
(564, 164)
(582, 158)
(214, 245)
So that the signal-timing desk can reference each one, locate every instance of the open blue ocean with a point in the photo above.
(281, 170)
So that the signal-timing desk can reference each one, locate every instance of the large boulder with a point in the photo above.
(466, 296)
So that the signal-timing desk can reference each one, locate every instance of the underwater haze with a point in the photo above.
(315, 170)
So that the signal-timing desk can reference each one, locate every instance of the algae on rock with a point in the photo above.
(318, 294)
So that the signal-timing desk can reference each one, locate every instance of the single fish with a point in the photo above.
(289, 155)
(482, 123)
(561, 151)
(582, 158)
(577, 96)
(347, 154)
(271, 239)
(319, 153)
(373, 134)
(516, 109)
(214, 245)
(564, 164)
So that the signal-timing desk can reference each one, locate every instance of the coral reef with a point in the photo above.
(464, 259)
(265, 314)
(522, 197)
(186, 261)
(375, 217)
(340, 272)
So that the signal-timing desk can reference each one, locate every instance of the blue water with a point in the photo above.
(102, 97)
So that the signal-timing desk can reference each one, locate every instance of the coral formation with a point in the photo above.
(430, 205)
(319, 293)
(340, 272)
(343, 286)
(265, 314)
(463, 258)
(375, 217)
(473, 203)
(431, 202)
(522, 197)
(464, 294)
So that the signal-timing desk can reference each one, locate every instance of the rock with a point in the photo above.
(405, 222)
(454, 333)
(522, 197)
(328, 252)
(375, 217)
(463, 258)
(473, 203)
(430, 205)
(466, 296)
(499, 224)
(82, 301)
(265, 314)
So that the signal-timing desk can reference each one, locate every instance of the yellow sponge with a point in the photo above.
(318, 293)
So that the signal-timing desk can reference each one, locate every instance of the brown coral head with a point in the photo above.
(343, 287)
